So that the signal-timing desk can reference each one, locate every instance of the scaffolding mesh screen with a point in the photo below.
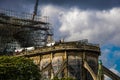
(19, 30)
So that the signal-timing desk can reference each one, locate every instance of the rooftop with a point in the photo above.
(62, 46)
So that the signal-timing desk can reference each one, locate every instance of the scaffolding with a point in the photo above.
(19, 28)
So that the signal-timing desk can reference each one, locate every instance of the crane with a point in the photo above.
(35, 10)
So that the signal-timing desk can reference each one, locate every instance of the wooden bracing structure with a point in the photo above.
(70, 59)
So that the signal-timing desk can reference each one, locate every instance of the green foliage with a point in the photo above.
(56, 78)
(18, 68)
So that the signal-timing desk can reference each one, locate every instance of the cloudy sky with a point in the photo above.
(95, 20)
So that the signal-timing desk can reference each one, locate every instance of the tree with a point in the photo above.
(18, 68)
(56, 78)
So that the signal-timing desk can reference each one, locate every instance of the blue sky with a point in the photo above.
(95, 20)
(113, 56)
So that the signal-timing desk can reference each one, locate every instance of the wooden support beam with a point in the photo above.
(62, 67)
(110, 74)
(66, 64)
(47, 67)
(86, 65)
(52, 71)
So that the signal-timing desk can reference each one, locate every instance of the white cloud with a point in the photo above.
(107, 78)
(101, 27)
(75, 24)
(110, 57)
(104, 57)
(114, 71)
(53, 13)
(117, 53)
(97, 26)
